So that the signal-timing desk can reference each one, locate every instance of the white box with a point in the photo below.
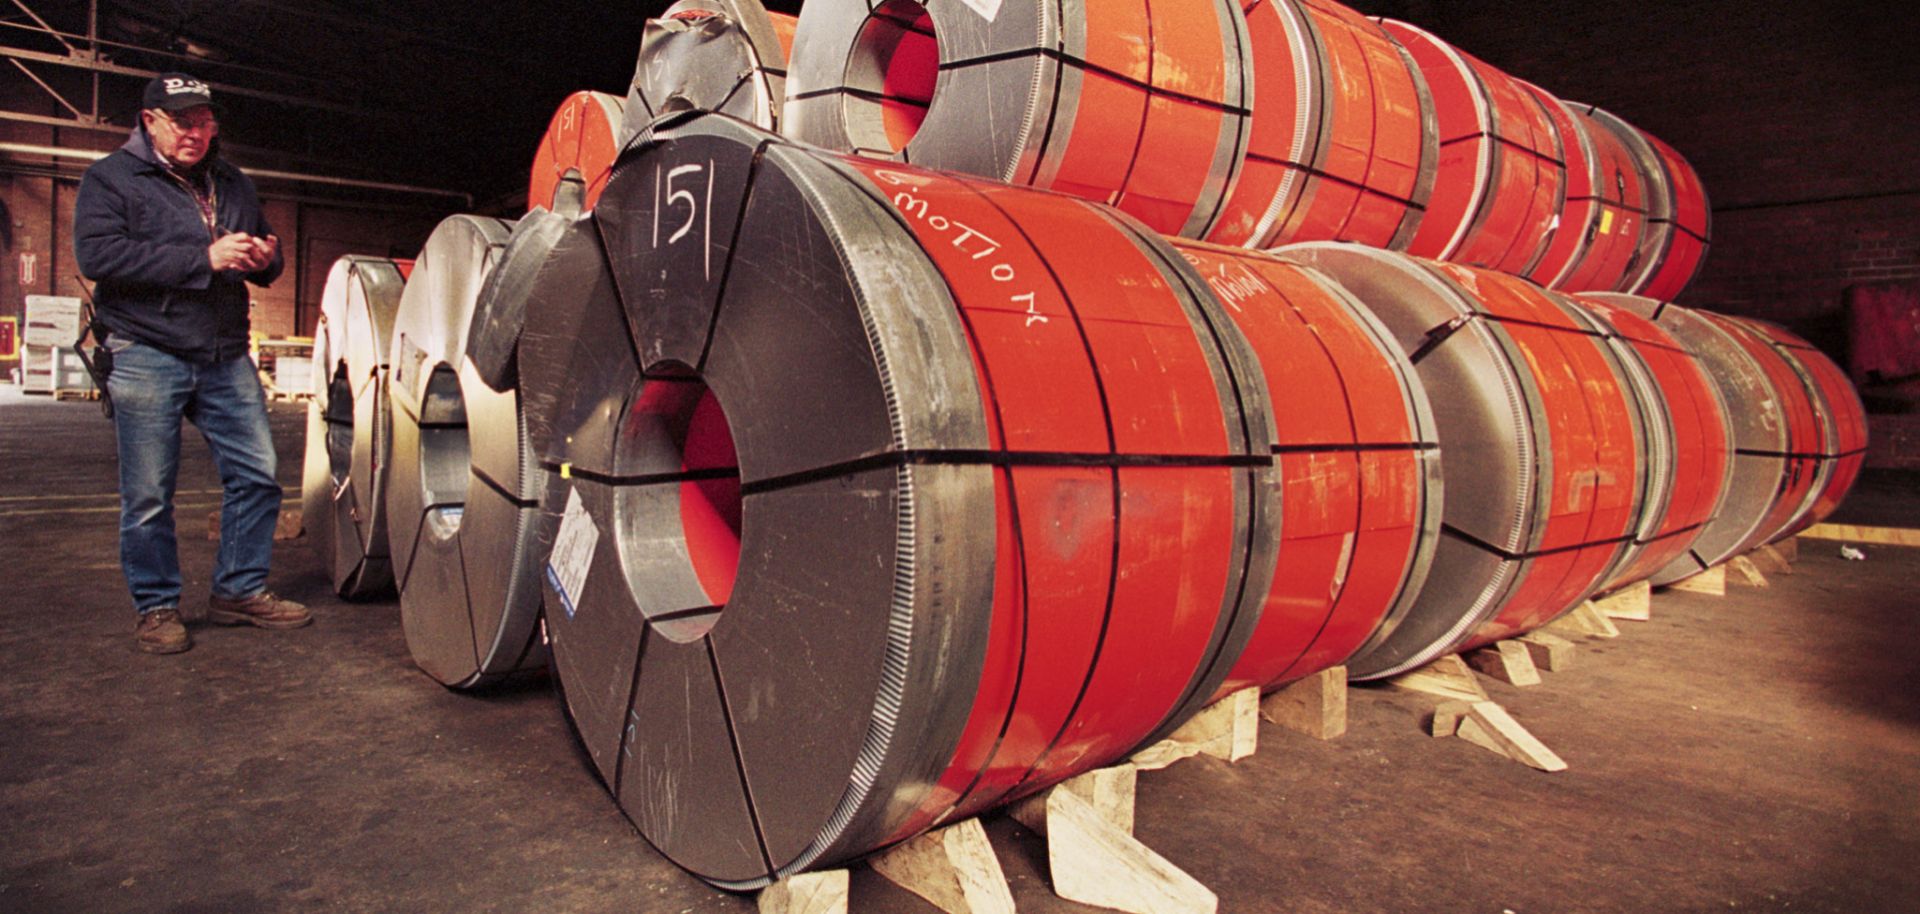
(293, 373)
(52, 320)
(45, 369)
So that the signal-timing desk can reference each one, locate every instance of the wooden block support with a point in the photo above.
(1884, 536)
(1788, 548)
(1746, 571)
(1584, 620)
(808, 893)
(1092, 861)
(1771, 560)
(1711, 582)
(1109, 790)
(1550, 651)
(1316, 705)
(954, 868)
(1507, 661)
(1486, 724)
(1447, 677)
(1633, 602)
(1228, 729)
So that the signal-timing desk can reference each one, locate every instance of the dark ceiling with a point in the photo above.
(446, 95)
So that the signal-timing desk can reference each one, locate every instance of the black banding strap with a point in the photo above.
(961, 457)
(1356, 448)
(1470, 539)
(493, 484)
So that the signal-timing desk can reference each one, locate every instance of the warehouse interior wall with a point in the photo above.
(315, 225)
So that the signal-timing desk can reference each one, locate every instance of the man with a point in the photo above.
(169, 233)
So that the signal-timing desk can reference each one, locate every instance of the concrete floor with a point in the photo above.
(1757, 752)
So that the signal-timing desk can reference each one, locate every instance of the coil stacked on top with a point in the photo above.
(1540, 441)
(1357, 466)
(1605, 212)
(1139, 103)
(344, 478)
(1001, 484)
(1690, 438)
(462, 497)
(728, 56)
(1843, 420)
(1343, 145)
(1678, 261)
(581, 138)
(1502, 175)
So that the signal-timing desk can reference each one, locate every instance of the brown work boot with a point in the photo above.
(262, 609)
(161, 632)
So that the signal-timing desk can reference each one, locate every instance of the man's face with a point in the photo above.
(182, 137)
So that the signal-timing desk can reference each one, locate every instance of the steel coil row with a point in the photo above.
(1255, 123)
(874, 497)
(854, 497)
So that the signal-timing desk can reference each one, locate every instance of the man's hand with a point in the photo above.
(263, 251)
(233, 251)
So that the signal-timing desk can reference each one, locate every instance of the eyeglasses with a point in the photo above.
(200, 121)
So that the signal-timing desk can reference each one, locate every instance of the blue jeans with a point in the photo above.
(152, 391)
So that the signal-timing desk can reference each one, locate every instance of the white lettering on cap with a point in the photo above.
(177, 86)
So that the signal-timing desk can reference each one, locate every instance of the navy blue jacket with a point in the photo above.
(138, 234)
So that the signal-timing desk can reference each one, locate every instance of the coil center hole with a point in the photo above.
(691, 516)
(891, 73)
(446, 456)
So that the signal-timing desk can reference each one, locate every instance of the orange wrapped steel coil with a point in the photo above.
(1541, 449)
(1025, 416)
(1343, 144)
(582, 139)
(1138, 103)
(1502, 178)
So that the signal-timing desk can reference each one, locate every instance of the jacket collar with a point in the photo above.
(140, 146)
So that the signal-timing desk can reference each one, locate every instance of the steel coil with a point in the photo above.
(344, 479)
(728, 56)
(1002, 487)
(1678, 261)
(1691, 436)
(1342, 143)
(1843, 421)
(1142, 104)
(1502, 176)
(1542, 449)
(1356, 462)
(581, 139)
(1605, 217)
(463, 493)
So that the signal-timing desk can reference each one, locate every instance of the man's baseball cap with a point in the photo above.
(176, 92)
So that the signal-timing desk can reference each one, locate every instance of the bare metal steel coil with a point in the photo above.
(1843, 420)
(463, 493)
(1766, 470)
(880, 496)
(1356, 462)
(728, 56)
(570, 170)
(1605, 213)
(1690, 436)
(1343, 143)
(344, 477)
(1541, 444)
(1143, 105)
(581, 139)
(1502, 178)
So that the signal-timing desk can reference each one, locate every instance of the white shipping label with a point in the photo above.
(988, 9)
(572, 552)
